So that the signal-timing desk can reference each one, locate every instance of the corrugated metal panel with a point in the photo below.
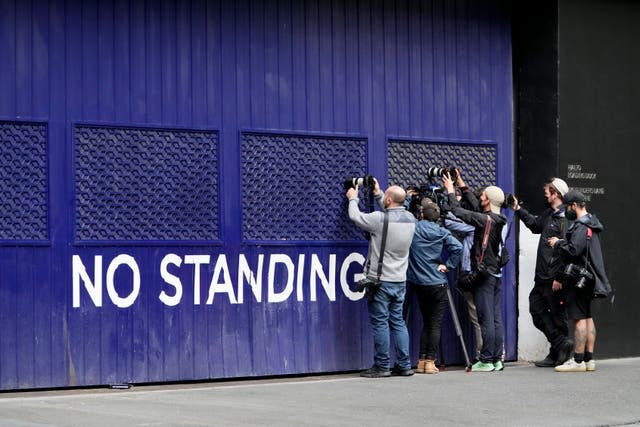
(319, 70)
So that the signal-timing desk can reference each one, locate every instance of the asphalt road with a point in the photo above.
(521, 395)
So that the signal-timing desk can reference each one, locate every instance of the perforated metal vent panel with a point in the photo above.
(146, 184)
(23, 181)
(410, 160)
(292, 186)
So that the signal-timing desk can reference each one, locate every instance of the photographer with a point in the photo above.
(486, 268)
(385, 302)
(427, 278)
(464, 233)
(583, 278)
(546, 298)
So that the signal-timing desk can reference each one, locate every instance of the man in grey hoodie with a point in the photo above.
(385, 305)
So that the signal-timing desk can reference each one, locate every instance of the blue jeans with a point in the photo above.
(385, 313)
(489, 306)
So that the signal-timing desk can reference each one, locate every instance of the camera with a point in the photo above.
(368, 182)
(431, 191)
(433, 172)
(509, 200)
(578, 272)
(367, 284)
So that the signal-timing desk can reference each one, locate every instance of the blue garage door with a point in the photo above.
(172, 204)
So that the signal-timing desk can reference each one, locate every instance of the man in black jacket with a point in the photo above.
(487, 240)
(584, 280)
(546, 299)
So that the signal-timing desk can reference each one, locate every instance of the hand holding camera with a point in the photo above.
(352, 192)
(511, 201)
(447, 183)
(369, 182)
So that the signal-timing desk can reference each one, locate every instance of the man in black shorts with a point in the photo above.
(583, 278)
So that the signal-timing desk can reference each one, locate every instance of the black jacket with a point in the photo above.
(478, 220)
(574, 248)
(548, 224)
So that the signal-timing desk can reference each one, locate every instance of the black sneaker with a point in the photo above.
(396, 371)
(547, 362)
(375, 372)
(564, 353)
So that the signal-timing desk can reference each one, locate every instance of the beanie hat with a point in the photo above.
(495, 196)
(430, 211)
(560, 185)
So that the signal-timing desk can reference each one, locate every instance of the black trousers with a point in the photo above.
(549, 315)
(432, 301)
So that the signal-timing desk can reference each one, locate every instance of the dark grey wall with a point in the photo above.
(535, 58)
(598, 133)
(576, 74)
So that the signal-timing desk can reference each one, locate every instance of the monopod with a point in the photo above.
(456, 324)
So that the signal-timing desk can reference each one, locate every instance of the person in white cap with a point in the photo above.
(486, 265)
(546, 299)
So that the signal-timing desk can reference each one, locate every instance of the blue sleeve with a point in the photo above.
(459, 226)
(407, 202)
(454, 247)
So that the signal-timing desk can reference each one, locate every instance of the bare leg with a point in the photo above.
(580, 335)
(591, 335)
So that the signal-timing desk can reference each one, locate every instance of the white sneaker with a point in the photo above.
(591, 365)
(571, 366)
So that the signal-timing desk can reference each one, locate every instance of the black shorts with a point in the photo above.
(578, 302)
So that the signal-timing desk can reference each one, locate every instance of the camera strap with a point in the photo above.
(586, 256)
(485, 238)
(385, 228)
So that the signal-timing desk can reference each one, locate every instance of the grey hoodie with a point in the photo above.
(399, 236)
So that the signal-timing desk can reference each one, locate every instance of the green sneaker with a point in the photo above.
(498, 366)
(480, 366)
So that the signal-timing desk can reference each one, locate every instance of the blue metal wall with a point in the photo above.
(172, 206)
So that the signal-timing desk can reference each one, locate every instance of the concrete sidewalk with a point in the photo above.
(521, 395)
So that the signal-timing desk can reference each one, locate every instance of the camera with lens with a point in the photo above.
(434, 172)
(509, 200)
(368, 182)
(578, 272)
(431, 191)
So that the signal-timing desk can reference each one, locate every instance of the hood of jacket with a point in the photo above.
(592, 222)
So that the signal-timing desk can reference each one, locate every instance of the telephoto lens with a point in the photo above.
(367, 181)
(433, 172)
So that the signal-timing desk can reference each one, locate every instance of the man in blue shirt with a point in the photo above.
(427, 278)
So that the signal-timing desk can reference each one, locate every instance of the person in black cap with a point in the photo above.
(546, 299)
(583, 278)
